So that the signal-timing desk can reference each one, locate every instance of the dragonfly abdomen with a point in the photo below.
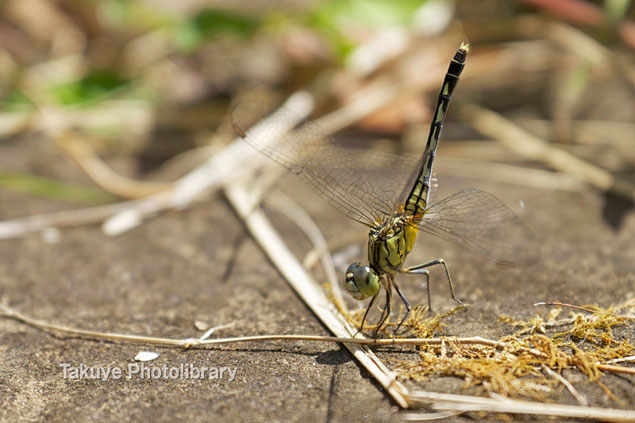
(417, 200)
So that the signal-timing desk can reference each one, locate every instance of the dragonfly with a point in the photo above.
(390, 195)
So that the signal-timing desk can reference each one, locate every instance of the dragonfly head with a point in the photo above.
(361, 281)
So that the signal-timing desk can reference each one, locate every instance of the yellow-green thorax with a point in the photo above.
(390, 242)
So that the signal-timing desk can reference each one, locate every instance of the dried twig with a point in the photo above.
(440, 401)
(620, 360)
(588, 310)
(420, 417)
(617, 369)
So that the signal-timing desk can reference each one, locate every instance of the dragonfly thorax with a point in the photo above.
(390, 243)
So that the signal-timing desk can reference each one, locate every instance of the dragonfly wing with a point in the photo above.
(361, 184)
(480, 222)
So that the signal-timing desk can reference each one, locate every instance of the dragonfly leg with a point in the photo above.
(418, 269)
(370, 305)
(385, 314)
(405, 301)
(426, 273)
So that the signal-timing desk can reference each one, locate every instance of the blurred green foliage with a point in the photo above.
(616, 9)
(330, 18)
(133, 14)
(16, 101)
(96, 85)
(192, 33)
(336, 22)
(50, 188)
(372, 13)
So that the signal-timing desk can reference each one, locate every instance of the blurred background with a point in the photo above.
(125, 88)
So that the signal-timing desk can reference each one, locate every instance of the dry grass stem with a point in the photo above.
(302, 220)
(308, 290)
(222, 166)
(593, 310)
(465, 403)
(510, 174)
(497, 127)
(120, 217)
(589, 49)
(87, 158)
(580, 398)
(203, 340)
(17, 228)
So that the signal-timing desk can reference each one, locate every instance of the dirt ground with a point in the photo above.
(201, 265)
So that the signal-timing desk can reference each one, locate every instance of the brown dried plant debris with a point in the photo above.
(522, 364)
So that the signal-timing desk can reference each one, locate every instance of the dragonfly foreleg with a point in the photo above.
(370, 305)
(385, 314)
(419, 269)
(405, 301)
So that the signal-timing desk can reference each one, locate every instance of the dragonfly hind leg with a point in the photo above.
(426, 273)
(421, 269)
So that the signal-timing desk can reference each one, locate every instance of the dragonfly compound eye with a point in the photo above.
(361, 281)
(351, 268)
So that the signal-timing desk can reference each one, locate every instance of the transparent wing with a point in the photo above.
(480, 222)
(364, 185)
